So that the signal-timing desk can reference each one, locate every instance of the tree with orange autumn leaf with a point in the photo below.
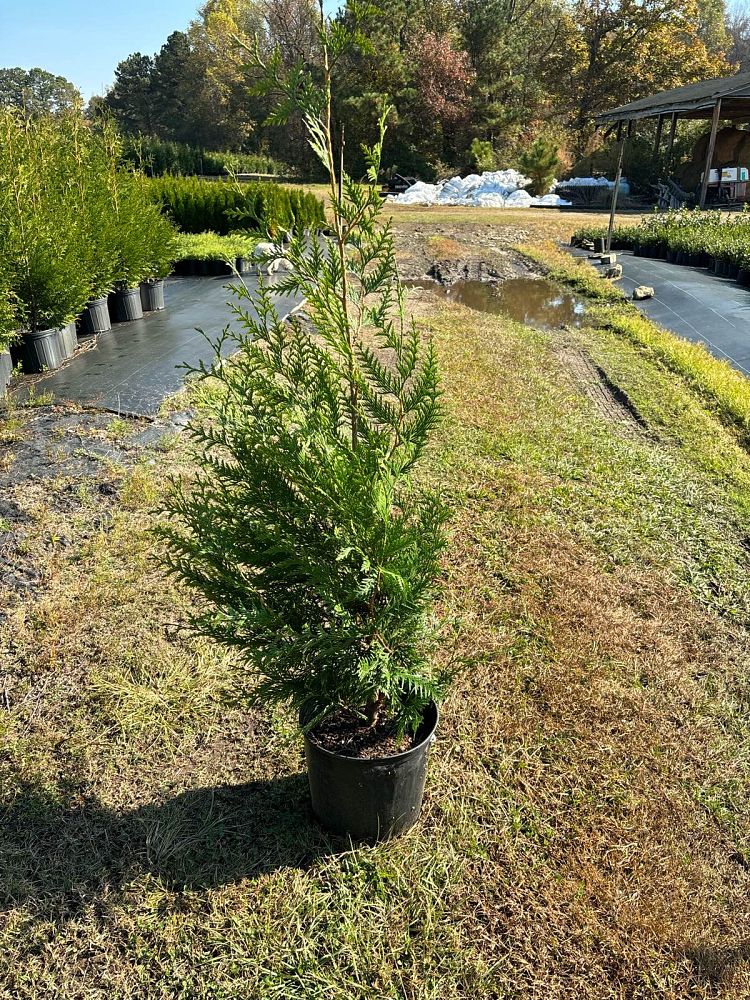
(628, 49)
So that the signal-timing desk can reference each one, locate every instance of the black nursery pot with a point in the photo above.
(370, 799)
(152, 296)
(217, 268)
(6, 370)
(127, 305)
(68, 341)
(95, 317)
(40, 350)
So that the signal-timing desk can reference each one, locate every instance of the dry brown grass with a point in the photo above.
(540, 224)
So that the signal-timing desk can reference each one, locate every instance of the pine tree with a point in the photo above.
(541, 162)
(315, 551)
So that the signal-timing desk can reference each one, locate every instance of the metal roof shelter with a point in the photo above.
(724, 98)
(697, 100)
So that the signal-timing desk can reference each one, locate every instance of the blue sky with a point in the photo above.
(85, 39)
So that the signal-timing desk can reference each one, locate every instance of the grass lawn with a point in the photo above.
(586, 830)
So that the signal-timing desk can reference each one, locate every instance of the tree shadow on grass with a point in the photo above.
(62, 849)
(717, 965)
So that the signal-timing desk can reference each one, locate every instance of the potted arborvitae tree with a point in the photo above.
(144, 240)
(98, 201)
(162, 249)
(314, 549)
(41, 237)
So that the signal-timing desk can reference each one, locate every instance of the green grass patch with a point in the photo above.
(573, 271)
(721, 387)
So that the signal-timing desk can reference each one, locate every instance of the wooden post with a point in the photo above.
(618, 175)
(670, 141)
(657, 140)
(710, 153)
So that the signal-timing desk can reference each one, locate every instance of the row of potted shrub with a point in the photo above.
(77, 233)
(211, 254)
(198, 206)
(156, 157)
(715, 240)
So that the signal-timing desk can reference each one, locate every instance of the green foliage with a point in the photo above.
(8, 313)
(43, 229)
(156, 157)
(72, 225)
(144, 237)
(540, 161)
(211, 246)
(724, 237)
(483, 156)
(315, 550)
(197, 205)
(37, 92)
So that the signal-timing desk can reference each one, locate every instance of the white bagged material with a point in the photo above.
(551, 201)
(495, 189)
(519, 199)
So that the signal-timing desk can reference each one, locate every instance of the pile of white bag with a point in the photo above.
(492, 189)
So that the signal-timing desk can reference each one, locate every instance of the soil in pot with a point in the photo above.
(127, 305)
(376, 794)
(95, 317)
(347, 734)
(152, 296)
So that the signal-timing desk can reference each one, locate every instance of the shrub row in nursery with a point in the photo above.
(155, 157)
(210, 253)
(719, 241)
(198, 206)
(74, 228)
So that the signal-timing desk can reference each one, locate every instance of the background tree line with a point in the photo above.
(473, 82)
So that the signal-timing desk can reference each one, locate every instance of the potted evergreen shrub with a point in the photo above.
(143, 242)
(315, 551)
(162, 244)
(41, 236)
(100, 198)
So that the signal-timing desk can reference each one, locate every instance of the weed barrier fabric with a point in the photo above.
(695, 304)
(134, 367)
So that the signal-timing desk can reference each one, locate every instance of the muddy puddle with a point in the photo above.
(534, 301)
